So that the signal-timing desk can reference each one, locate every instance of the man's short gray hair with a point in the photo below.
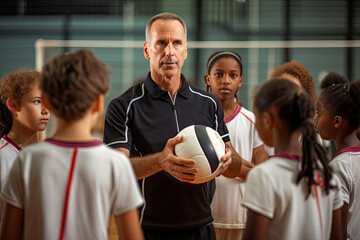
(164, 16)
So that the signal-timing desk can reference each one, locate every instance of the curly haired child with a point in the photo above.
(22, 116)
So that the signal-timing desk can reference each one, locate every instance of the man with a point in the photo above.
(142, 123)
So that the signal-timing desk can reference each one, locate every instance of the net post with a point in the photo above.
(39, 54)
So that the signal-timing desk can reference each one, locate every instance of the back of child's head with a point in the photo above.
(341, 98)
(295, 109)
(72, 81)
(332, 78)
(297, 70)
(14, 86)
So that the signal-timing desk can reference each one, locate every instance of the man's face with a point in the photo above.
(166, 49)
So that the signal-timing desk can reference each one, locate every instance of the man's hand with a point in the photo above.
(174, 165)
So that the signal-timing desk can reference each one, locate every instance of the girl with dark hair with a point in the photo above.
(22, 116)
(337, 118)
(223, 79)
(293, 195)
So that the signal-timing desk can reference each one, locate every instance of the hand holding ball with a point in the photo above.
(205, 146)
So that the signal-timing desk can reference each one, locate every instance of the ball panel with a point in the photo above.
(217, 142)
(207, 146)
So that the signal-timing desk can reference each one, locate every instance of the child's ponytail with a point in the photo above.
(296, 110)
(311, 149)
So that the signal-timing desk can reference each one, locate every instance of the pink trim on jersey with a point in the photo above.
(289, 156)
(6, 138)
(237, 110)
(63, 221)
(92, 143)
(348, 149)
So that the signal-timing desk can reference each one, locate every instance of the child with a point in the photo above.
(296, 72)
(224, 78)
(68, 185)
(337, 118)
(22, 116)
(293, 195)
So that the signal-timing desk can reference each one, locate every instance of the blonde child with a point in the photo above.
(337, 118)
(22, 116)
(224, 78)
(67, 186)
(293, 195)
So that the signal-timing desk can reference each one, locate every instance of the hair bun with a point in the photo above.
(333, 78)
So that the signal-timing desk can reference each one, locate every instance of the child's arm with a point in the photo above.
(12, 223)
(128, 225)
(337, 225)
(259, 155)
(256, 226)
(344, 216)
(239, 167)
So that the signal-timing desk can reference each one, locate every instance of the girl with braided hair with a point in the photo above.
(337, 118)
(294, 194)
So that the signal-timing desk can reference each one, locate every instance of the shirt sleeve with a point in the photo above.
(126, 192)
(339, 196)
(260, 193)
(344, 174)
(117, 132)
(13, 192)
(221, 128)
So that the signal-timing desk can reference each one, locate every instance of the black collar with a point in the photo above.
(156, 91)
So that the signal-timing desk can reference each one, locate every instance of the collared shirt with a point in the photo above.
(142, 120)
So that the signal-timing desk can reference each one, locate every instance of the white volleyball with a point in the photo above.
(205, 146)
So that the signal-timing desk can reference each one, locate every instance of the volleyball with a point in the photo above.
(205, 146)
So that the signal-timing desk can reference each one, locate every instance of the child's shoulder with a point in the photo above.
(248, 114)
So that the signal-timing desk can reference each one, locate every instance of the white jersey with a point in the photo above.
(226, 208)
(82, 183)
(346, 164)
(272, 191)
(8, 153)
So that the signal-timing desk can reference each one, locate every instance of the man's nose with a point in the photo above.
(169, 49)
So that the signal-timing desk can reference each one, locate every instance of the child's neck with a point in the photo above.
(22, 137)
(350, 140)
(288, 143)
(76, 130)
(229, 107)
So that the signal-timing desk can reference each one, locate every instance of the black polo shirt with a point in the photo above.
(142, 120)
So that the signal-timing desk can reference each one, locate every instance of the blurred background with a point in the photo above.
(106, 25)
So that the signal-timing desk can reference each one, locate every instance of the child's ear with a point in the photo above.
(12, 105)
(267, 120)
(98, 104)
(240, 83)
(207, 79)
(45, 101)
(337, 121)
